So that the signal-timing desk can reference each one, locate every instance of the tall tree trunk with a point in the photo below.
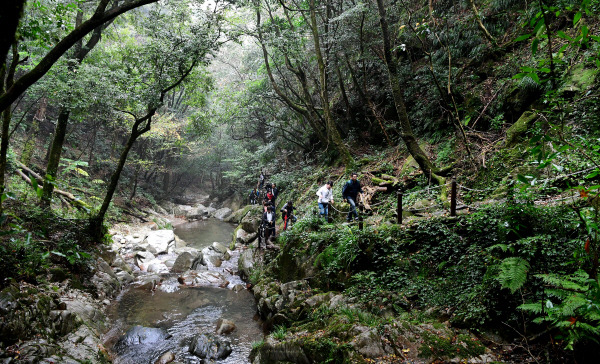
(332, 130)
(63, 116)
(54, 155)
(11, 13)
(6, 81)
(406, 132)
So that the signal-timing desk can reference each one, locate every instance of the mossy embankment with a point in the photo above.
(431, 289)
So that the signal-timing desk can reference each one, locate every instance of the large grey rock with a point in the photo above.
(138, 335)
(210, 278)
(210, 347)
(222, 213)
(246, 264)
(220, 248)
(251, 221)
(160, 241)
(183, 262)
(243, 237)
(368, 343)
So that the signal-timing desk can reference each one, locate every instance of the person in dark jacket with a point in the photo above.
(275, 192)
(268, 220)
(287, 214)
(350, 193)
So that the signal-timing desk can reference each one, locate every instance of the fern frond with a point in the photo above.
(513, 273)
(535, 308)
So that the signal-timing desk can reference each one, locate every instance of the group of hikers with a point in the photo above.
(350, 192)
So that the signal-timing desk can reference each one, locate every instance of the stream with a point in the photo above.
(186, 311)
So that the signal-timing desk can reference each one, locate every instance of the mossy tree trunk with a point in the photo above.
(406, 132)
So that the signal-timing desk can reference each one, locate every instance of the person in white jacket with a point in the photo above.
(325, 198)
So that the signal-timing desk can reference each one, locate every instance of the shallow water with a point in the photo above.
(202, 233)
(187, 311)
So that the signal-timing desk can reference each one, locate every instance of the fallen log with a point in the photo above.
(71, 198)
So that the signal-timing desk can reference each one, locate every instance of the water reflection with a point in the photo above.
(202, 233)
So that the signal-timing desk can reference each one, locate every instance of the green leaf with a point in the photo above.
(576, 18)
(563, 35)
(523, 37)
(534, 46)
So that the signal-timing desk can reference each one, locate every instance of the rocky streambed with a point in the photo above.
(150, 296)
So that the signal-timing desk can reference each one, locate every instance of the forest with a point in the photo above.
(132, 128)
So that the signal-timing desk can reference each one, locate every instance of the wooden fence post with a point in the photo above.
(453, 198)
(360, 222)
(399, 208)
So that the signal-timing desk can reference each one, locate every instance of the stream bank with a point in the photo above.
(132, 282)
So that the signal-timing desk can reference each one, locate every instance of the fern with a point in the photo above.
(513, 273)
(577, 311)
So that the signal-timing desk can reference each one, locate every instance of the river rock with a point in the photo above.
(244, 237)
(218, 247)
(286, 352)
(222, 213)
(246, 264)
(157, 267)
(140, 335)
(160, 241)
(225, 327)
(120, 265)
(198, 264)
(166, 358)
(183, 262)
(143, 258)
(207, 346)
(251, 221)
(210, 278)
(124, 277)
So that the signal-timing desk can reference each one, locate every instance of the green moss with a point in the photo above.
(461, 346)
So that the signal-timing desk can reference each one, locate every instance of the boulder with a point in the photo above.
(225, 327)
(369, 344)
(160, 241)
(222, 213)
(220, 248)
(138, 335)
(210, 278)
(243, 237)
(246, 264)
(183, 262)
(238, 215)
(251, 221)
(210, 347)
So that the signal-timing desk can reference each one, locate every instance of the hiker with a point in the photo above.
(350, 192)
(253, 197)
(271, 197)
(261, 180)
(325, 198)
(269, 223)
(275, 192)
(287, 214)
(266, 204)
